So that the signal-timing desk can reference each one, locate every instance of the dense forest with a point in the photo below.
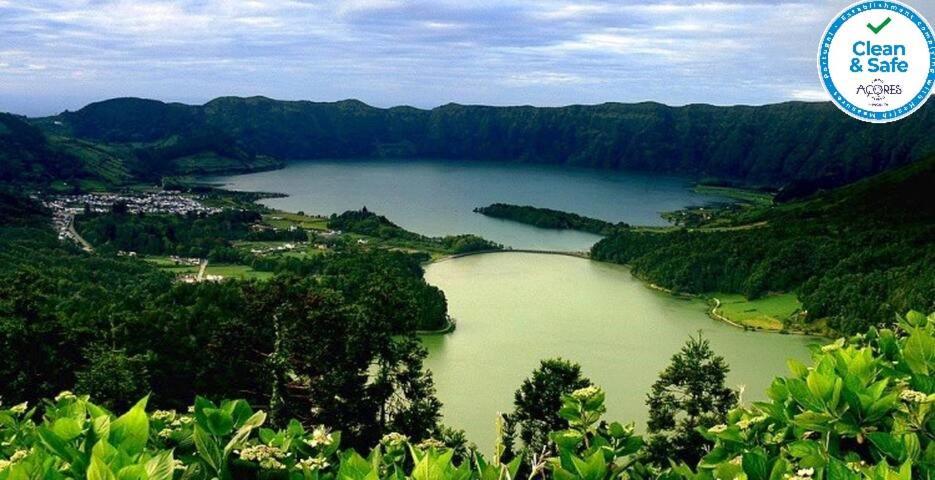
(119, 328)
(856, 255)
(808, 143)
(205, 236)
(30, 155)
(25, 153)
(548, 218)
(371, 224)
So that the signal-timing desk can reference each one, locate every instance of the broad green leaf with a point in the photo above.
(919, 351)
(98, 470)
(67, 428)
(160, 467)
(131, 431)
(754, 465)
(208, 449)
(251, 423)
(888, 445)
(218, 422)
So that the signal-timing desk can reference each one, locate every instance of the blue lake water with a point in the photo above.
(438, 197)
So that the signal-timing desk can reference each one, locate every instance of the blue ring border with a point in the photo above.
(876, 117)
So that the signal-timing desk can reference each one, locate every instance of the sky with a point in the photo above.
(63, 54)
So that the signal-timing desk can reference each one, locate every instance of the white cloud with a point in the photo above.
(420, 52)
(809, 95)
(572, 11)
(544, 78)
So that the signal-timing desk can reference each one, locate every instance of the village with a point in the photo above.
(65, 207)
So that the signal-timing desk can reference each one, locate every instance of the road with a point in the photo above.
(201, 270)
(78, 238)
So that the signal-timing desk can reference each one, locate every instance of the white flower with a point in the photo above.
(718, 428)
(320, 436)
(586, 393)
(394, 439)
(66, 395)
(912, 396)
(267, 456)
(163, 415)
(165, 433)
(430, 443)
(803, 474)
(4, 464)
(177, 464)
(18, 455)
(312, 464)
(19, 409)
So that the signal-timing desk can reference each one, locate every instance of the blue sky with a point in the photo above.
(58, 54)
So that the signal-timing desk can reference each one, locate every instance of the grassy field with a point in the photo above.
(169, 265)
(236, 271)
(280, 219)
(765, 313)
(752, 197)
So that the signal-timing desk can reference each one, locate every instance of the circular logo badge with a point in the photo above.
(877, 61)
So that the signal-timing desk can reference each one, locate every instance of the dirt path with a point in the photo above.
(78, 238)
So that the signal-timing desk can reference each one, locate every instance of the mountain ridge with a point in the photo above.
(770, 145)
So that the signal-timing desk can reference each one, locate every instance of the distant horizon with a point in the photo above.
(203, 103)
(58, 55)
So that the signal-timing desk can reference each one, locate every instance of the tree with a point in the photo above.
(690, 393)
(539, 398)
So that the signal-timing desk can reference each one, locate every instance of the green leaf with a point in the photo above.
(132, 472)
(754, 465)
(160, 467)
(355, 467)
(251, 423)
(208, 449)
(131, 431)
(778, 471)
(919, 351)
(67, 428)
(218, 422)
(797, 368)
(888, 445)
(837, 470)
(99, 470)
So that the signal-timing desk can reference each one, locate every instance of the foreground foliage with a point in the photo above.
(862, 411)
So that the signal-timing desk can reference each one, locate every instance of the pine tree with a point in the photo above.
(690, 393)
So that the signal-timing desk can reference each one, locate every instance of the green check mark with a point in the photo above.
(877, 29)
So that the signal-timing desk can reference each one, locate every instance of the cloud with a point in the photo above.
(809, 95)
(417, 52)
(544, 78)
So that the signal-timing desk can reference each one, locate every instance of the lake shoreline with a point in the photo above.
(712, 312)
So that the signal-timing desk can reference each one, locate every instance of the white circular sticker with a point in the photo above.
(877, 61)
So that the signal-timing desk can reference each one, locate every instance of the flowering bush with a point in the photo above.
(862, 411)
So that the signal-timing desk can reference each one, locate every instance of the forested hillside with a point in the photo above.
(857, 255)
(120, 328)
(771, 145)
(25, 153)
(33, 156)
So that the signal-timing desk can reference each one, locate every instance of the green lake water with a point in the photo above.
(513, 309)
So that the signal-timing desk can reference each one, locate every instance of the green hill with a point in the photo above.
(773, 145)
(855, 256)
(47, 151)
